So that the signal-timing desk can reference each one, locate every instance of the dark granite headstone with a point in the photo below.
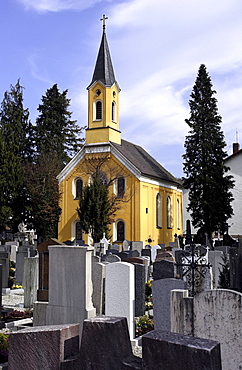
(146, 252)
(44, 347)
(106, 344)
(4, 261)
(43, 291)
(171, 351)
(164, 269)
(140, 279)
(236, 268)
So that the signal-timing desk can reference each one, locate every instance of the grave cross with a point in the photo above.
(103, 19)
(194, 266)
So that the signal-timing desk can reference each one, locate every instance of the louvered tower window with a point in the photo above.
(98, 110)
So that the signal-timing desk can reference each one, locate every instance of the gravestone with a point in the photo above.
(112, 258)
(171, 351)
(120, 292)
(70, 285)
(215, 259)
(47, 347)
(135, 253)
(13, 250)
(4, 261)
(30, 280)
(139, 289)
(106, 344)
(43, 291)
(23, 252)
(147, 267)
(98, 281)
(138, 246)
(154, 252)
(146, 252)
(135, 260)
(164, 269)
(164, 256)
(161, 297)
(116, 247)
(123, 255)
(127, 245)
(236, 268)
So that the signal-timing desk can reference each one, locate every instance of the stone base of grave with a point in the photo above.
(105, 344)
(171, 351)
(39, 313)
(45, 347)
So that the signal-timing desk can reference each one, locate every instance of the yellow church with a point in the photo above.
(150, 198)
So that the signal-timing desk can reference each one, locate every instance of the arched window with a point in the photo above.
(78, 231)
(113, 111)
(79, 186)
(158, 211)
(98, 110)
(178, 214)
(120, 231)
(120, 187)
(169, 214)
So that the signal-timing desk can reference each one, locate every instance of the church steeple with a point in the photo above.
(103, 98)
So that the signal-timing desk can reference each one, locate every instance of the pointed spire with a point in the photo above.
(103, 71)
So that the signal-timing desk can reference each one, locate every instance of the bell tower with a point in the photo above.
(103, 98)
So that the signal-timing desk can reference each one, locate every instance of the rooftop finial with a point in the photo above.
(103, 19)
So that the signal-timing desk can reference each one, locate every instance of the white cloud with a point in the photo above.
(57, 5)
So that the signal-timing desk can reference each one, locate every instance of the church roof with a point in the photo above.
(146, 164)
(103, 71)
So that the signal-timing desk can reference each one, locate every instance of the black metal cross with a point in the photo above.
(103, 19)
(193, 266)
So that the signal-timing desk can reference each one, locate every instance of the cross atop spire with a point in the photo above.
(103, 19)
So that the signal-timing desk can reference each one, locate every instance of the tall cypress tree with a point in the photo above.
(15, 150)
(55, 131)
(94, 209)
(209, 187)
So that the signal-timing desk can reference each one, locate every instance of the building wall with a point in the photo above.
(235, 222)
(138, 207)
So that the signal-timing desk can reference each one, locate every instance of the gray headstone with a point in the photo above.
(164, 270)
(146, 252)
(98, 282)
(113, 258)
(161, 297)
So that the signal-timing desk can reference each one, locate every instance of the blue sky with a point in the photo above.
(156, 46)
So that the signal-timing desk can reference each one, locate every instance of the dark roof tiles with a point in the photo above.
(146, 164)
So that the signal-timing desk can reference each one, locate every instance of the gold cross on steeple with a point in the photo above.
(103, 19)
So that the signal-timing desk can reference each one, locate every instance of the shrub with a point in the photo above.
(143, 324)
(3, 347)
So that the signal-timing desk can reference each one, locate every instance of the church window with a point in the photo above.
(78, 231)
(120, 231)
(178, 214)
(158, 211)
(113, 111)
(98, 110)
(120, 187)
(79, 186)
(169, 213)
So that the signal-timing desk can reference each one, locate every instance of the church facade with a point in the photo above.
(150, 198)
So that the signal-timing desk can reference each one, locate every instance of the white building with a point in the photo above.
(234, 162)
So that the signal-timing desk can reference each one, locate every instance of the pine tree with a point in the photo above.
(55, 131)
(15, 150)
(94, 209)
(42, 186)
(209, 187)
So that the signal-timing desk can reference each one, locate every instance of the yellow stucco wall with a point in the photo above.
(138, 211)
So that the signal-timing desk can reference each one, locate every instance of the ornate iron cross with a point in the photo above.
(103, 19)
(193, 266)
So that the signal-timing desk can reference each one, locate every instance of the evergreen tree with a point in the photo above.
(55, 131)
(224, 274)
(15, 150)
(42, 186)
(94, 210)
(209, 186)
